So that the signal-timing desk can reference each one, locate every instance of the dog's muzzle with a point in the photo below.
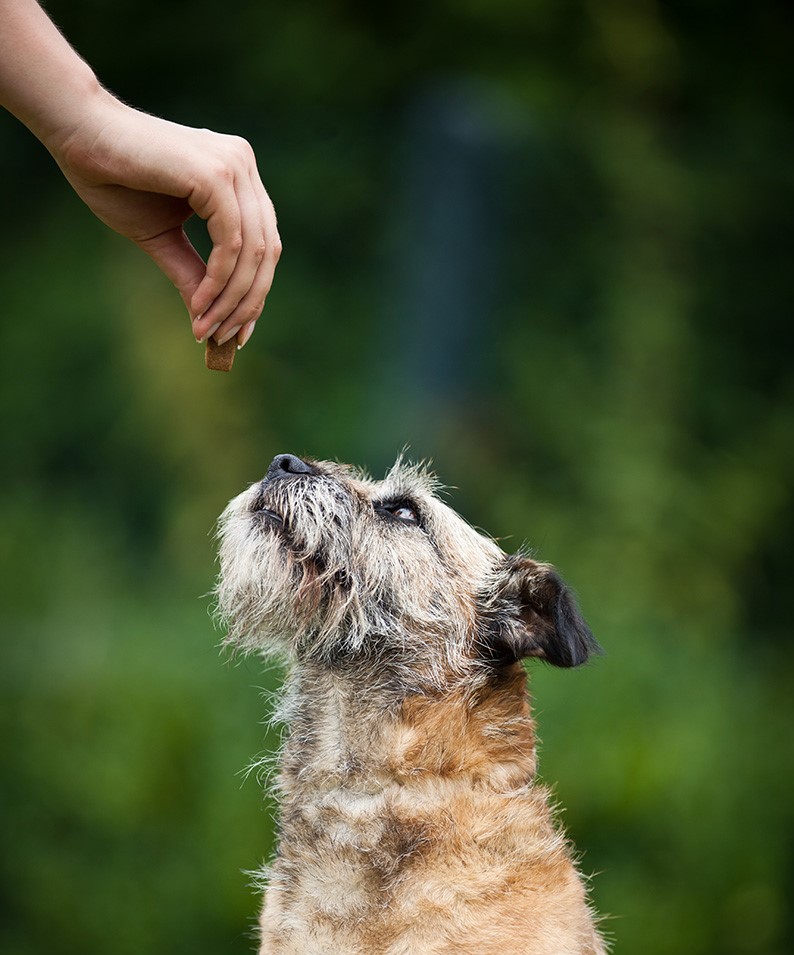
(281, 467)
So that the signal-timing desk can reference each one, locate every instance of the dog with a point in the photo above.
(411, 820)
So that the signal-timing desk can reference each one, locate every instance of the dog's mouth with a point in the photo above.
(266, 515)
(270, 517)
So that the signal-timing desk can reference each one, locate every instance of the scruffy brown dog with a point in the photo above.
(411, 821)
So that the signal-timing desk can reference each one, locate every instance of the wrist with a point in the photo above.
(78, 108)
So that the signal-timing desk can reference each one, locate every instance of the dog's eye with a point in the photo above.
(401, 510)
(405, 513)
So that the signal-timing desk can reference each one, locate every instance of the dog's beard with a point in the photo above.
(305, 573)
(282, 576)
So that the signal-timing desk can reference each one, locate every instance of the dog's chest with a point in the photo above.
(349, 848)
(393, 843)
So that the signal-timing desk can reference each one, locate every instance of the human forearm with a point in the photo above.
(43, 81)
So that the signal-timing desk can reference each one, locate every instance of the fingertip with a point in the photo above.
(227, 334)
(202, 336)
(244, 336)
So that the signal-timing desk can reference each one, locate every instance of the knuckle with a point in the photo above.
(235, 243)
(221, 171)
(276, 249)
(251, 311)
(240, 147)
(245, 148)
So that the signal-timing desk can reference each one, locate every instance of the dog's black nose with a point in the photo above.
(284, 465)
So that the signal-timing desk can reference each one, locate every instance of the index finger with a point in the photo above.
(218, 205)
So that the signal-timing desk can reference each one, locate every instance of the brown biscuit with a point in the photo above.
(220, 357)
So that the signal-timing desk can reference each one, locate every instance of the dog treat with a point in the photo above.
(220, 357)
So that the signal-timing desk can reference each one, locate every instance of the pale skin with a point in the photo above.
(144, 176)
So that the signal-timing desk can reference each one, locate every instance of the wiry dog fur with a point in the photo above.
(411, 820)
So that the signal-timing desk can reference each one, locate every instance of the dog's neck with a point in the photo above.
(357, 728)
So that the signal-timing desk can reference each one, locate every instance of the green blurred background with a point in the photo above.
(546, 244)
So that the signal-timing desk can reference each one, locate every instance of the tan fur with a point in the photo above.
(411, 820)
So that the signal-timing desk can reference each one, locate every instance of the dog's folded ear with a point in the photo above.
(529, 612)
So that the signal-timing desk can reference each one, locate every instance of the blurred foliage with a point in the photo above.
(547, 245)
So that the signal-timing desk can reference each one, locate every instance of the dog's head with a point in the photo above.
(322, 562)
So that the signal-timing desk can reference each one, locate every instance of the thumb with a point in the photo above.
(175, 256)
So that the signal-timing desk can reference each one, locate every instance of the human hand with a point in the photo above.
(144, 177)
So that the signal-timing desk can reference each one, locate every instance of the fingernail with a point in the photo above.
(246, 334)
(227, 335)
(211, 332)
